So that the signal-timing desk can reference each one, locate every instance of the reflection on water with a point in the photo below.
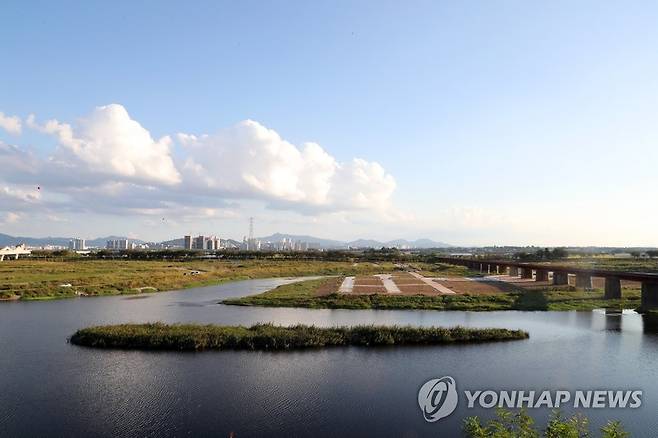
(650, 324)
(69, 390)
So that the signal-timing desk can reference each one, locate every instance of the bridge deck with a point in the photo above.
(632, 276)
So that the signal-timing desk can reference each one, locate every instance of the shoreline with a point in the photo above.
(306, 294)
(269, 337)
(37, 280)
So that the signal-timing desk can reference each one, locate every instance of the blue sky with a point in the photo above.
(499, 122)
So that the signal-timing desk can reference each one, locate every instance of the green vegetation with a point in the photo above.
(41, 279)
(542, 254)
(443, 270)
(193, 337)
(508, 424)
(304, 294)
(612, 264)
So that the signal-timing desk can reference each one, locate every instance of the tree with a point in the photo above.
(508, 424)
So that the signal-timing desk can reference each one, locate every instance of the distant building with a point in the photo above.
(77, 244)
(213, 243)
(120, 244)
(201, 242)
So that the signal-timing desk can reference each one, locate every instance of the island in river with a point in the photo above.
(197, 337)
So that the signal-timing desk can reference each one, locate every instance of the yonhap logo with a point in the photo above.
(437, 398)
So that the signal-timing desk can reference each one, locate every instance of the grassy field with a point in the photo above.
(34, 279)
(305, 294)
(612, 264)
(194, 337)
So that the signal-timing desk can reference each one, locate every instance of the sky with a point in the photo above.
(471, 123)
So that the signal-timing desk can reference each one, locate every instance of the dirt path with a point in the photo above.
(438, 287)
(389, 284)
(347, 287)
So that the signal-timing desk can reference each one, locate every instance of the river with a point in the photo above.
(51, 388)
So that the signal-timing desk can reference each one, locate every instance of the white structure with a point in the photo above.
(15, 251)
(120, 244)
(77, 244)
(202, 242)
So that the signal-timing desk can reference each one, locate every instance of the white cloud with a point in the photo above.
(22, 195)
(11, 124)
(12, 218)
(107, 163)
(108, 142)
(250, 160)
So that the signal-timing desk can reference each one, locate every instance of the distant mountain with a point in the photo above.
(419, 243)
(7, 240)
(174, 242)
(359, 243)
(100, 242)
(323, 243)
(365, 243)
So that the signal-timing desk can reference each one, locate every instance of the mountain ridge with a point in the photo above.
(6, 239)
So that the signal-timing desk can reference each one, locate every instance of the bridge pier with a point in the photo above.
(526, 273)
(613, 288)
(560, 278)
(513, 271)
(649, 295)
(584, 281)
(542, 275)
(2, 257)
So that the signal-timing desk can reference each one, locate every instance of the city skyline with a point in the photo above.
(377, 121)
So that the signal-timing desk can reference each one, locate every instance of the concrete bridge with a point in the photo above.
(15, 251)
(561, 276)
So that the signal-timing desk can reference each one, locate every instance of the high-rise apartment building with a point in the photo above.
(77, 244)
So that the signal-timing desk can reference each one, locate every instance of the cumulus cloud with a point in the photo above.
(19, 195)
(256, 162)
(11, 217)
(107, 162)
(109, 142)
(11, 124)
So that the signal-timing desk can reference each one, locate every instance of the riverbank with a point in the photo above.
(194, 337)
(308, 294)
(41, 279)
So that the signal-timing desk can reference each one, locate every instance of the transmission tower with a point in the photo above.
(251, 229)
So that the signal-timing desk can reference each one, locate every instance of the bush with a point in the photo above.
(508, 424)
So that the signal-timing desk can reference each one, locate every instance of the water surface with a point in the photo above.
(51, 388)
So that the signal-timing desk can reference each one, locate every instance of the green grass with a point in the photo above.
(194, 337)
(611, 263)
(510, 424)
(303, 294)
(444, 270)
(41, 279)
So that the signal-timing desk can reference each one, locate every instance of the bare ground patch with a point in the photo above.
(329, 287)
(479, 287)
(368, 290)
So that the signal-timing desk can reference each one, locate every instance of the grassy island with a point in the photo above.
(195, 337)
(313, 294)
